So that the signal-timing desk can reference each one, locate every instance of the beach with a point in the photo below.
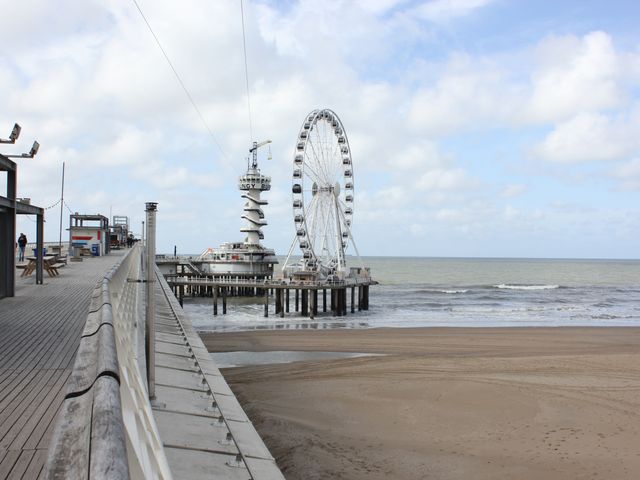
(446, 403)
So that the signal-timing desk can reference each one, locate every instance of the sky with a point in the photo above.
(478, 128)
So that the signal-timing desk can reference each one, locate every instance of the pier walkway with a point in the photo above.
(40, 331)
(73, 394)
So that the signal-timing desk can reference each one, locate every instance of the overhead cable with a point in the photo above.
(184, 87)
(246, 71)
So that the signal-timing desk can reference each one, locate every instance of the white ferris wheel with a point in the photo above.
(323, 193)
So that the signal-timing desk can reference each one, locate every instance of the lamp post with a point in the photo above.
(151, 305)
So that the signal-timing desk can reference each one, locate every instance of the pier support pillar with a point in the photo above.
(366, 297)
(324, 299)
(224, 301)
(333, 301)
(353, 291)
(287, 300)
(359, 298)
(278, 301)
(315, 302)
(266, 302)
(215, 300)
(181, 298)
(312, 302)
(344, 301)
(305, 302)
(297, 295)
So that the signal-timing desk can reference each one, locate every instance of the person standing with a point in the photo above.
(22, 243)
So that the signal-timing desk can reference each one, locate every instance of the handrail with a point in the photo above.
(106, 428)
(89, 437)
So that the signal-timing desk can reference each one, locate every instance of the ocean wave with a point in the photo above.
(448, 291)
(504, 286)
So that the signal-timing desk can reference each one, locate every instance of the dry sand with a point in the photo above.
(520, 403)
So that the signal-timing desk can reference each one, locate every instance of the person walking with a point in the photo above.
(22, 243)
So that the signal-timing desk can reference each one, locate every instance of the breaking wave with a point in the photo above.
(526, 287)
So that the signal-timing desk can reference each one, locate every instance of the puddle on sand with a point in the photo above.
(244, 358)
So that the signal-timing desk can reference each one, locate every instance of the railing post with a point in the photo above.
(151, 305)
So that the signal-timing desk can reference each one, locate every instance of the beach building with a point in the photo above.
(89, 233)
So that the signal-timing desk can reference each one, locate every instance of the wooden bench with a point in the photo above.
(53, 268)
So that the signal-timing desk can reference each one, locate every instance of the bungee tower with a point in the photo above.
(254, 183)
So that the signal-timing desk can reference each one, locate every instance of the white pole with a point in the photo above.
(61, 209)
(151, 305)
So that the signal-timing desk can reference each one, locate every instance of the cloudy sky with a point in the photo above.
(500, 128)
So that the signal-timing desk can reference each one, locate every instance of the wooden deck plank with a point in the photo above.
(19, 407)
(8, 462)
(21, 465)
(36, 465)
(40, 331)
(39, 437)
(31, 414)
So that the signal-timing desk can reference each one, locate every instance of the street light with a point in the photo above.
(15, 133)
(31, 154)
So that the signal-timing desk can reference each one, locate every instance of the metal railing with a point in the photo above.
(106, 427)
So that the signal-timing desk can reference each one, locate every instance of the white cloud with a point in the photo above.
(575, 75)
(445, 10)
(628, 175)
(470, 93)
(589, 137)
(514, 190)
(445, 180)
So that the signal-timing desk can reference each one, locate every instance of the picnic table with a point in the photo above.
(50, 264)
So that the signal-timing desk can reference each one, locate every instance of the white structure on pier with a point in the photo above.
(253, 183)
(248, 259)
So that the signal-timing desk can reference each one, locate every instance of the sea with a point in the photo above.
(461, 292)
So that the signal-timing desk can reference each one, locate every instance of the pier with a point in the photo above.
(306, 298)
(74, 401)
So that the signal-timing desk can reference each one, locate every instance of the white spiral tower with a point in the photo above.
(253, 183)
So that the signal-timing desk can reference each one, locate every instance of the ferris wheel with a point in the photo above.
(323, 192)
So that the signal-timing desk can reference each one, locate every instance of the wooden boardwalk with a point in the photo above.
(40, 331)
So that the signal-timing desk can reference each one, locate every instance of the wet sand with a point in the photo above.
(519, 403)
